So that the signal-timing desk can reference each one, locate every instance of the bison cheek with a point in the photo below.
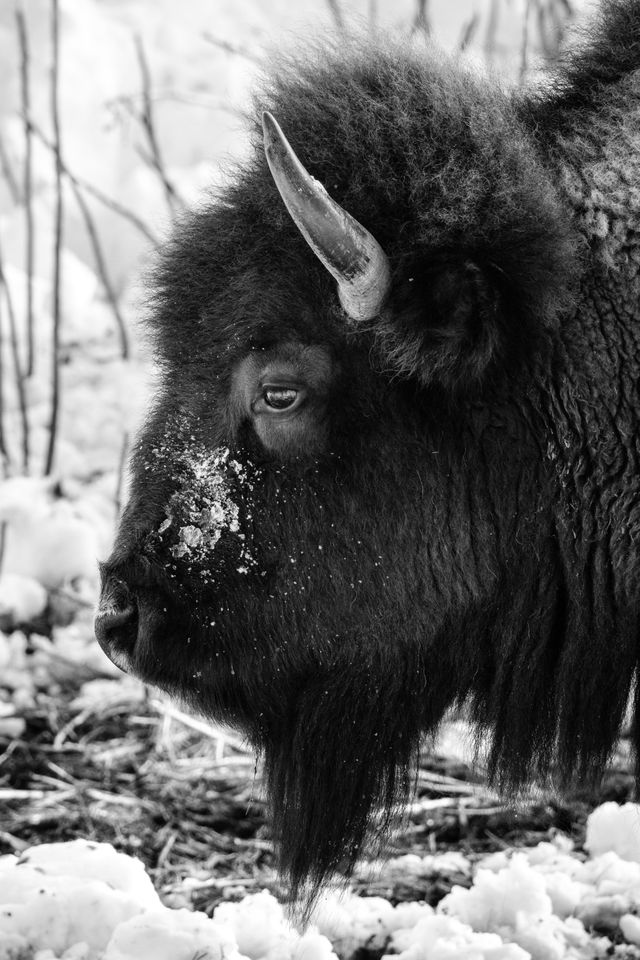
(289, 438)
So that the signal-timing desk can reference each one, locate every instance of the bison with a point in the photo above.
(393, 462)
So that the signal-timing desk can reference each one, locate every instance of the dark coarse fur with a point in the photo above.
(608, 56)
(484, 259)
(461, 520)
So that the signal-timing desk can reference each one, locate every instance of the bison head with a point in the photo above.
(354, 504)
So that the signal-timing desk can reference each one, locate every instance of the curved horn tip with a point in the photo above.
(270, 127)
(347, 250)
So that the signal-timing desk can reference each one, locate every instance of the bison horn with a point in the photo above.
(348, 251)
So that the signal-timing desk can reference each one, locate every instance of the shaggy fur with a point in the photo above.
(457, 517)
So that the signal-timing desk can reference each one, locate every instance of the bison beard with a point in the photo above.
(348, 515)
(345, 751)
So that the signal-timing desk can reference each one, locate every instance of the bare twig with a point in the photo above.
(468, 32)
(75, 721)
(130, 103)
(10, 794)
(552, 19)
(95, 192)
(17, 845)
(73, 598)
(458, 803)
(4, 453)
(221, 737)
(148, 124)
(229, 47)
(25, 97)
(336, 13)
(373, 15)
(17, 366)
(8, 174)
(57, 252)
(492, 29)
(421, 21)
(524, 48)
(101, 267)
(549, 50)
(122, 463)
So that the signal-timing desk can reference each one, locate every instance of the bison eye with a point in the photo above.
(279, 398)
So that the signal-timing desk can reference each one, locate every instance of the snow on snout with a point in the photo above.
(203, 507)
(205, 500)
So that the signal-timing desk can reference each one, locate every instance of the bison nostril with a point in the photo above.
(116, 622)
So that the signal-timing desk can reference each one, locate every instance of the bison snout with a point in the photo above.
(116, 622)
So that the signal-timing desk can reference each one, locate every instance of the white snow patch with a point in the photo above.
(22, 599)
(630, 927)
(84, 901)
(94, 861)
(62, 894)
(617, 828)
(171, 935)
(446, 938)
(49, 538)
(498, 899)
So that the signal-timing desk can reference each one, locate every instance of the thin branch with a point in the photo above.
(224, 737)
(101, 267)
(17, 367)
(25, 98)
(373, 16)
(468, 32)
(95, 192)
(4, 452)
(552, 20)
(338, 16)
(148, 123)
(57, 252)
(492, 29)
(128, 102)
(122, 464)
(234, 48)
(421, 22)
(524, 49)
(8, 174)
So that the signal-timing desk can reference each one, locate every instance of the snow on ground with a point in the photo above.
(83, 901)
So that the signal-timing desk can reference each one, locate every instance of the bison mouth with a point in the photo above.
(160, 636)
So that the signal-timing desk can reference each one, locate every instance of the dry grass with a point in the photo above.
(128, 767)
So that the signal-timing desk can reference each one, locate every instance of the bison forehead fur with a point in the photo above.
(337, 530)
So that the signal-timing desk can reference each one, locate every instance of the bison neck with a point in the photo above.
(591, 406)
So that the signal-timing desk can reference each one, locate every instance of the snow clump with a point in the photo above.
(202, 507)
(22, 599)
(446, 938)
(49, 538)
(171, 935)
(84, 901)
(258, 924)
(59, 895)
(616, 828)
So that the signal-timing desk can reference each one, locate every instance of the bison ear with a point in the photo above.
(445, 324)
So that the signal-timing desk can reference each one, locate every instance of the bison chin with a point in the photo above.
(340, 762)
